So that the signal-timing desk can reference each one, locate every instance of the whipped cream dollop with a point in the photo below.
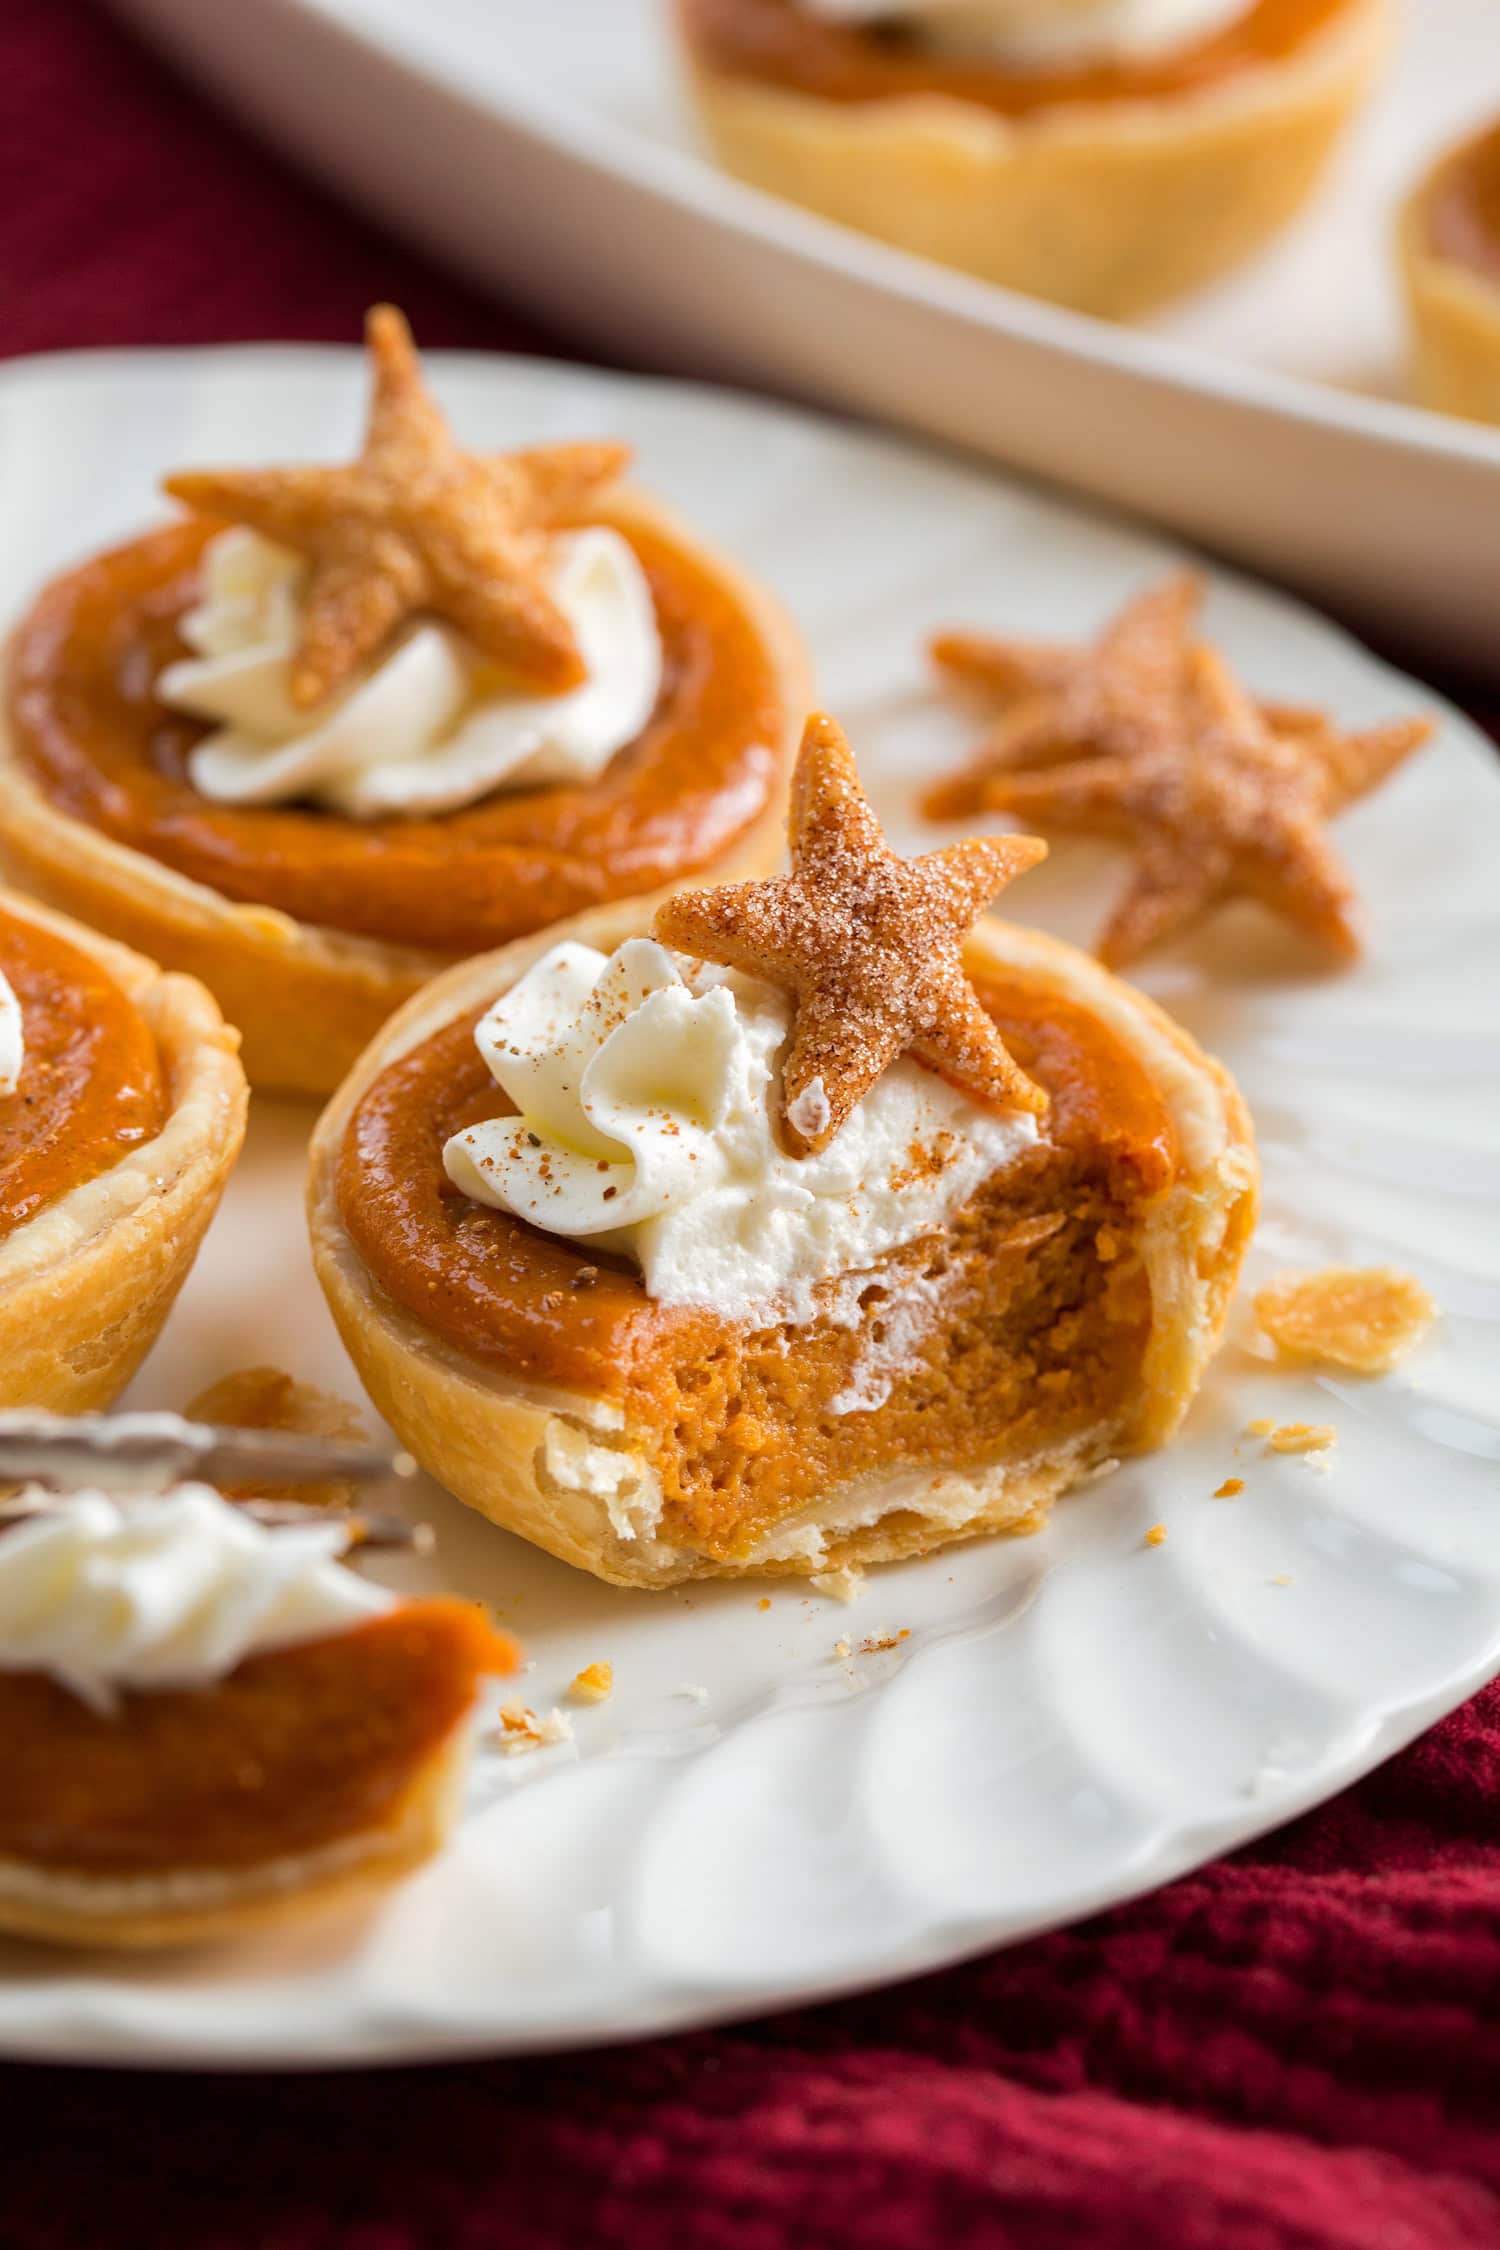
(1047, 34)
(428, 726)
(169, 1590)
(12, 1038)
(646, 1087)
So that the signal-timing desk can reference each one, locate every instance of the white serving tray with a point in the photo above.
(1075, 1717)
(542, 146)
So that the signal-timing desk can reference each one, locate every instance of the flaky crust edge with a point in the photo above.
(487, 1438)
(69, 1907)
(87, 1283)
(1108, 207)
(307, 1000)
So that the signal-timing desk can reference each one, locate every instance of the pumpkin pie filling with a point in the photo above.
(298, 1750)
(91, 1082)
(1044, 1306)
(779, 43)
(93, 735)
(1463, 210)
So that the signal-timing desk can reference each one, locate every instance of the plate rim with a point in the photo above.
(600, 144)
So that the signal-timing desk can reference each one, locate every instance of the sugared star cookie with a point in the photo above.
(1110, 699)
(416, 524)
(1223, 806)
(870, 946)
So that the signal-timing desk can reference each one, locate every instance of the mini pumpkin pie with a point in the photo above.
(826, 1225)
(210, 1723)
(1105, 154)
(1449, 243)
(1146, 738)
(338, 726)
(122, 1110)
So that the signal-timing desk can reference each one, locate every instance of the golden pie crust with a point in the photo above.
(308, 999)
(1110, 207)
(1454, 303)
(150, 1915)
(86, 1284)
(496, 1441)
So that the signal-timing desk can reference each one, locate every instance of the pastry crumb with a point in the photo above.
(1261, 1428)
(522, 1731)
(1282, 1578)
(594, 1684)
(1157, 1535)
(1302, 1437)
(1230, 1489)
(1365, 1318)
(879, 1642)
(764, 1602)
(843, 1649)
(841, 1585)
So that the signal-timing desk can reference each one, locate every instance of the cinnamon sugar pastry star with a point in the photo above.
(1222, 806)
(417, 524)
(869, 944)
(1110, 698)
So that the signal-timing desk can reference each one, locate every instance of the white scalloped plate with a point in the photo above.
(1074, 1717)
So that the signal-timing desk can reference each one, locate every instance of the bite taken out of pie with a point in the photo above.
(122, 1110)
(336, 727)
(1104, 154)
(828, 1224)
(211, 1722)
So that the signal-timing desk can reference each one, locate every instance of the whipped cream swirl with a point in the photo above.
(427, 727)
(645, 1086)
(167, 1591)
(1047, 34)
(12, 1037)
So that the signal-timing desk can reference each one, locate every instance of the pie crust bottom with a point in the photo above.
(196, 1907)
(578, 1474)
(1108, 207)
(87, 1283)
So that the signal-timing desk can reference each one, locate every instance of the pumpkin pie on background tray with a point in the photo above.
(827, 1224)
(338, 726)
(1104, 154)
(122, 1110)
(1449, 246)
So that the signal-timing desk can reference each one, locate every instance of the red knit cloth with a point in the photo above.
(1297, 2049)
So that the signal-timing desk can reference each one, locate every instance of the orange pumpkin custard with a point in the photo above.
(1450, 257)
(122, 1108)
(681, 1266)
(1105, 154)
(210, 1722)
(339, 726)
